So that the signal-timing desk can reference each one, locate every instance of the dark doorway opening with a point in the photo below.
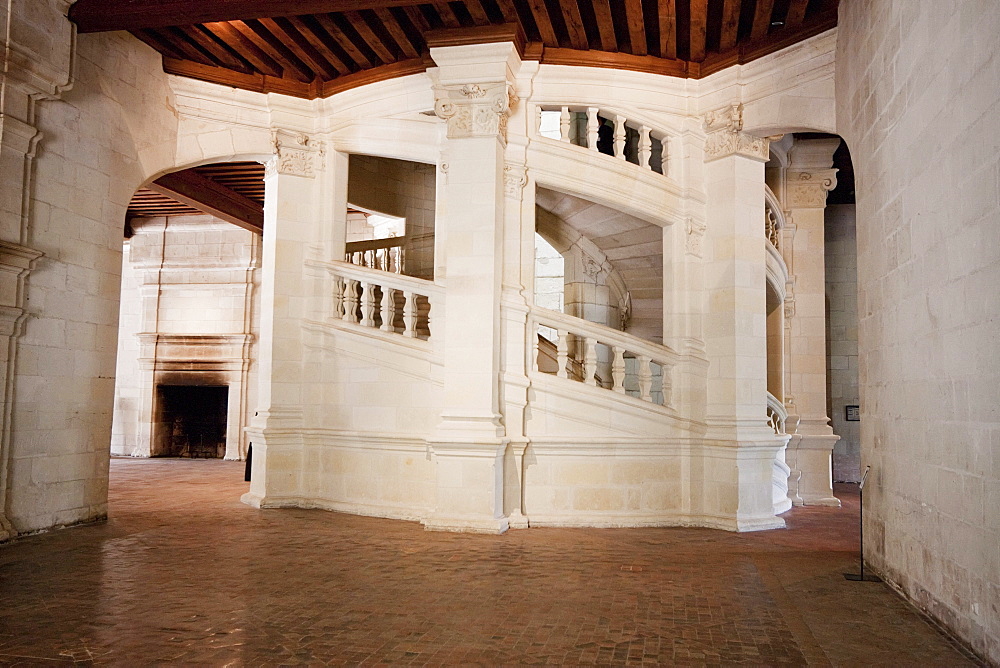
(192, 420)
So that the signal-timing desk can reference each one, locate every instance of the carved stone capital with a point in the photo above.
(515, 177)
(475, 110)
(807, 189)
(295, 154)
(725, 136)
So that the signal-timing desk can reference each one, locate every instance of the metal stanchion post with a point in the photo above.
(861, 522)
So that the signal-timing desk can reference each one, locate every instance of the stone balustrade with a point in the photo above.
(381, 254)
(774, 219)
(389, 302)
(605, 131)
(635, 367)
(776, 414)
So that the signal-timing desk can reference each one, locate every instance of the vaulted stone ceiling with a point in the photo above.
(315, 48)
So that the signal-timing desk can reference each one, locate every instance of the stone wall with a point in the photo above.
(918, 101)
(87, 165)
(842, 338)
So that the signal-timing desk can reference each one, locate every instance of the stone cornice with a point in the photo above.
(475, 110)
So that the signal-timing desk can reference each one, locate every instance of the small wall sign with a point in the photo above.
(852, 413)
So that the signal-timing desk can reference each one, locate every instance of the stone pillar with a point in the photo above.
(808, 178)
(474, 94)
(297, 182)
(739, 448)
(36, 52)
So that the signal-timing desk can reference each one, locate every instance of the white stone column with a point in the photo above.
(296, 182)
(474, 95)
(739, 448)
(808, 179)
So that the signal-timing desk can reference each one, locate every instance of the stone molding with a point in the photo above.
(295, 154)
(725, 136)
(476, 110)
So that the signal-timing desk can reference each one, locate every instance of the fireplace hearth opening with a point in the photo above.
(192, 420)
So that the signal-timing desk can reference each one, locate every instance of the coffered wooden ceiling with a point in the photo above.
(315, 48)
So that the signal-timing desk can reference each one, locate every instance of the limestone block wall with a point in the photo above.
(88, 163)
(404, 189)
(842, 338)
(125, 421)
(918, 91)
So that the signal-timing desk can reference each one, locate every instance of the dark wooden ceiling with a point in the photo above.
(314, 48)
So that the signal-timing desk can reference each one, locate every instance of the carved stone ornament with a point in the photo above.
(515, 177)
(808, 189)
(475, 110)
(591, 267)
(725, 136)
(295, 154)
(789, 299)
(695, 234)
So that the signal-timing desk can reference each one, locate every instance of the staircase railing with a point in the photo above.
(382, 300)
(611, 133)
(774, 219)
(776, 414)
(383, 254)
(638, 368)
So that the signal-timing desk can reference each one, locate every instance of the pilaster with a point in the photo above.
(474, 94)
(739, 448)
(808, 179)
(298, 181)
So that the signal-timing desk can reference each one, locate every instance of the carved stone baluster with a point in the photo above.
(645, 378)
(338, 297)
(564, 124)
(430, 309)
(382, 258)
(538, 120)
(592, 124)
(667, 370)
(410, 315)
(590, 361)
(399, 259)
(350, 300)
(645, 147)
(562, 353)
(388, 309)
(620, 137)
(367, 304)
(618, 370)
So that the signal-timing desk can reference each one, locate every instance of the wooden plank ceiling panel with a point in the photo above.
(313, 48)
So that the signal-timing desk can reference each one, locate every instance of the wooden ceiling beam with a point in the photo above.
(191, 188)
(761, 19)
(368, 35)
(698, 29)
(409, 47)
(229, 33)
(320, 45)
(477, 12)
(574, 24)
(447, 14)
(105, 15)
(220, 52)
(295, 41)
(544, 23)
(274, 45)
(796, 13)
(345, 42)
(636, 27)
(509, 11)
(730, 24)
(667, 17)
(605, 25)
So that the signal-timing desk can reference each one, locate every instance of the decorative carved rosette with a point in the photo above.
(475, 110)
(725, 136)
(295, 154)
(808, 189)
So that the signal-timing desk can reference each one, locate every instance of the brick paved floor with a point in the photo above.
(184, 573)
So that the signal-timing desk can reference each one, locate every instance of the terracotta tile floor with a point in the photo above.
(183, 573)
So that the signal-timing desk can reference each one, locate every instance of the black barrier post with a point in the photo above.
(861, 522)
